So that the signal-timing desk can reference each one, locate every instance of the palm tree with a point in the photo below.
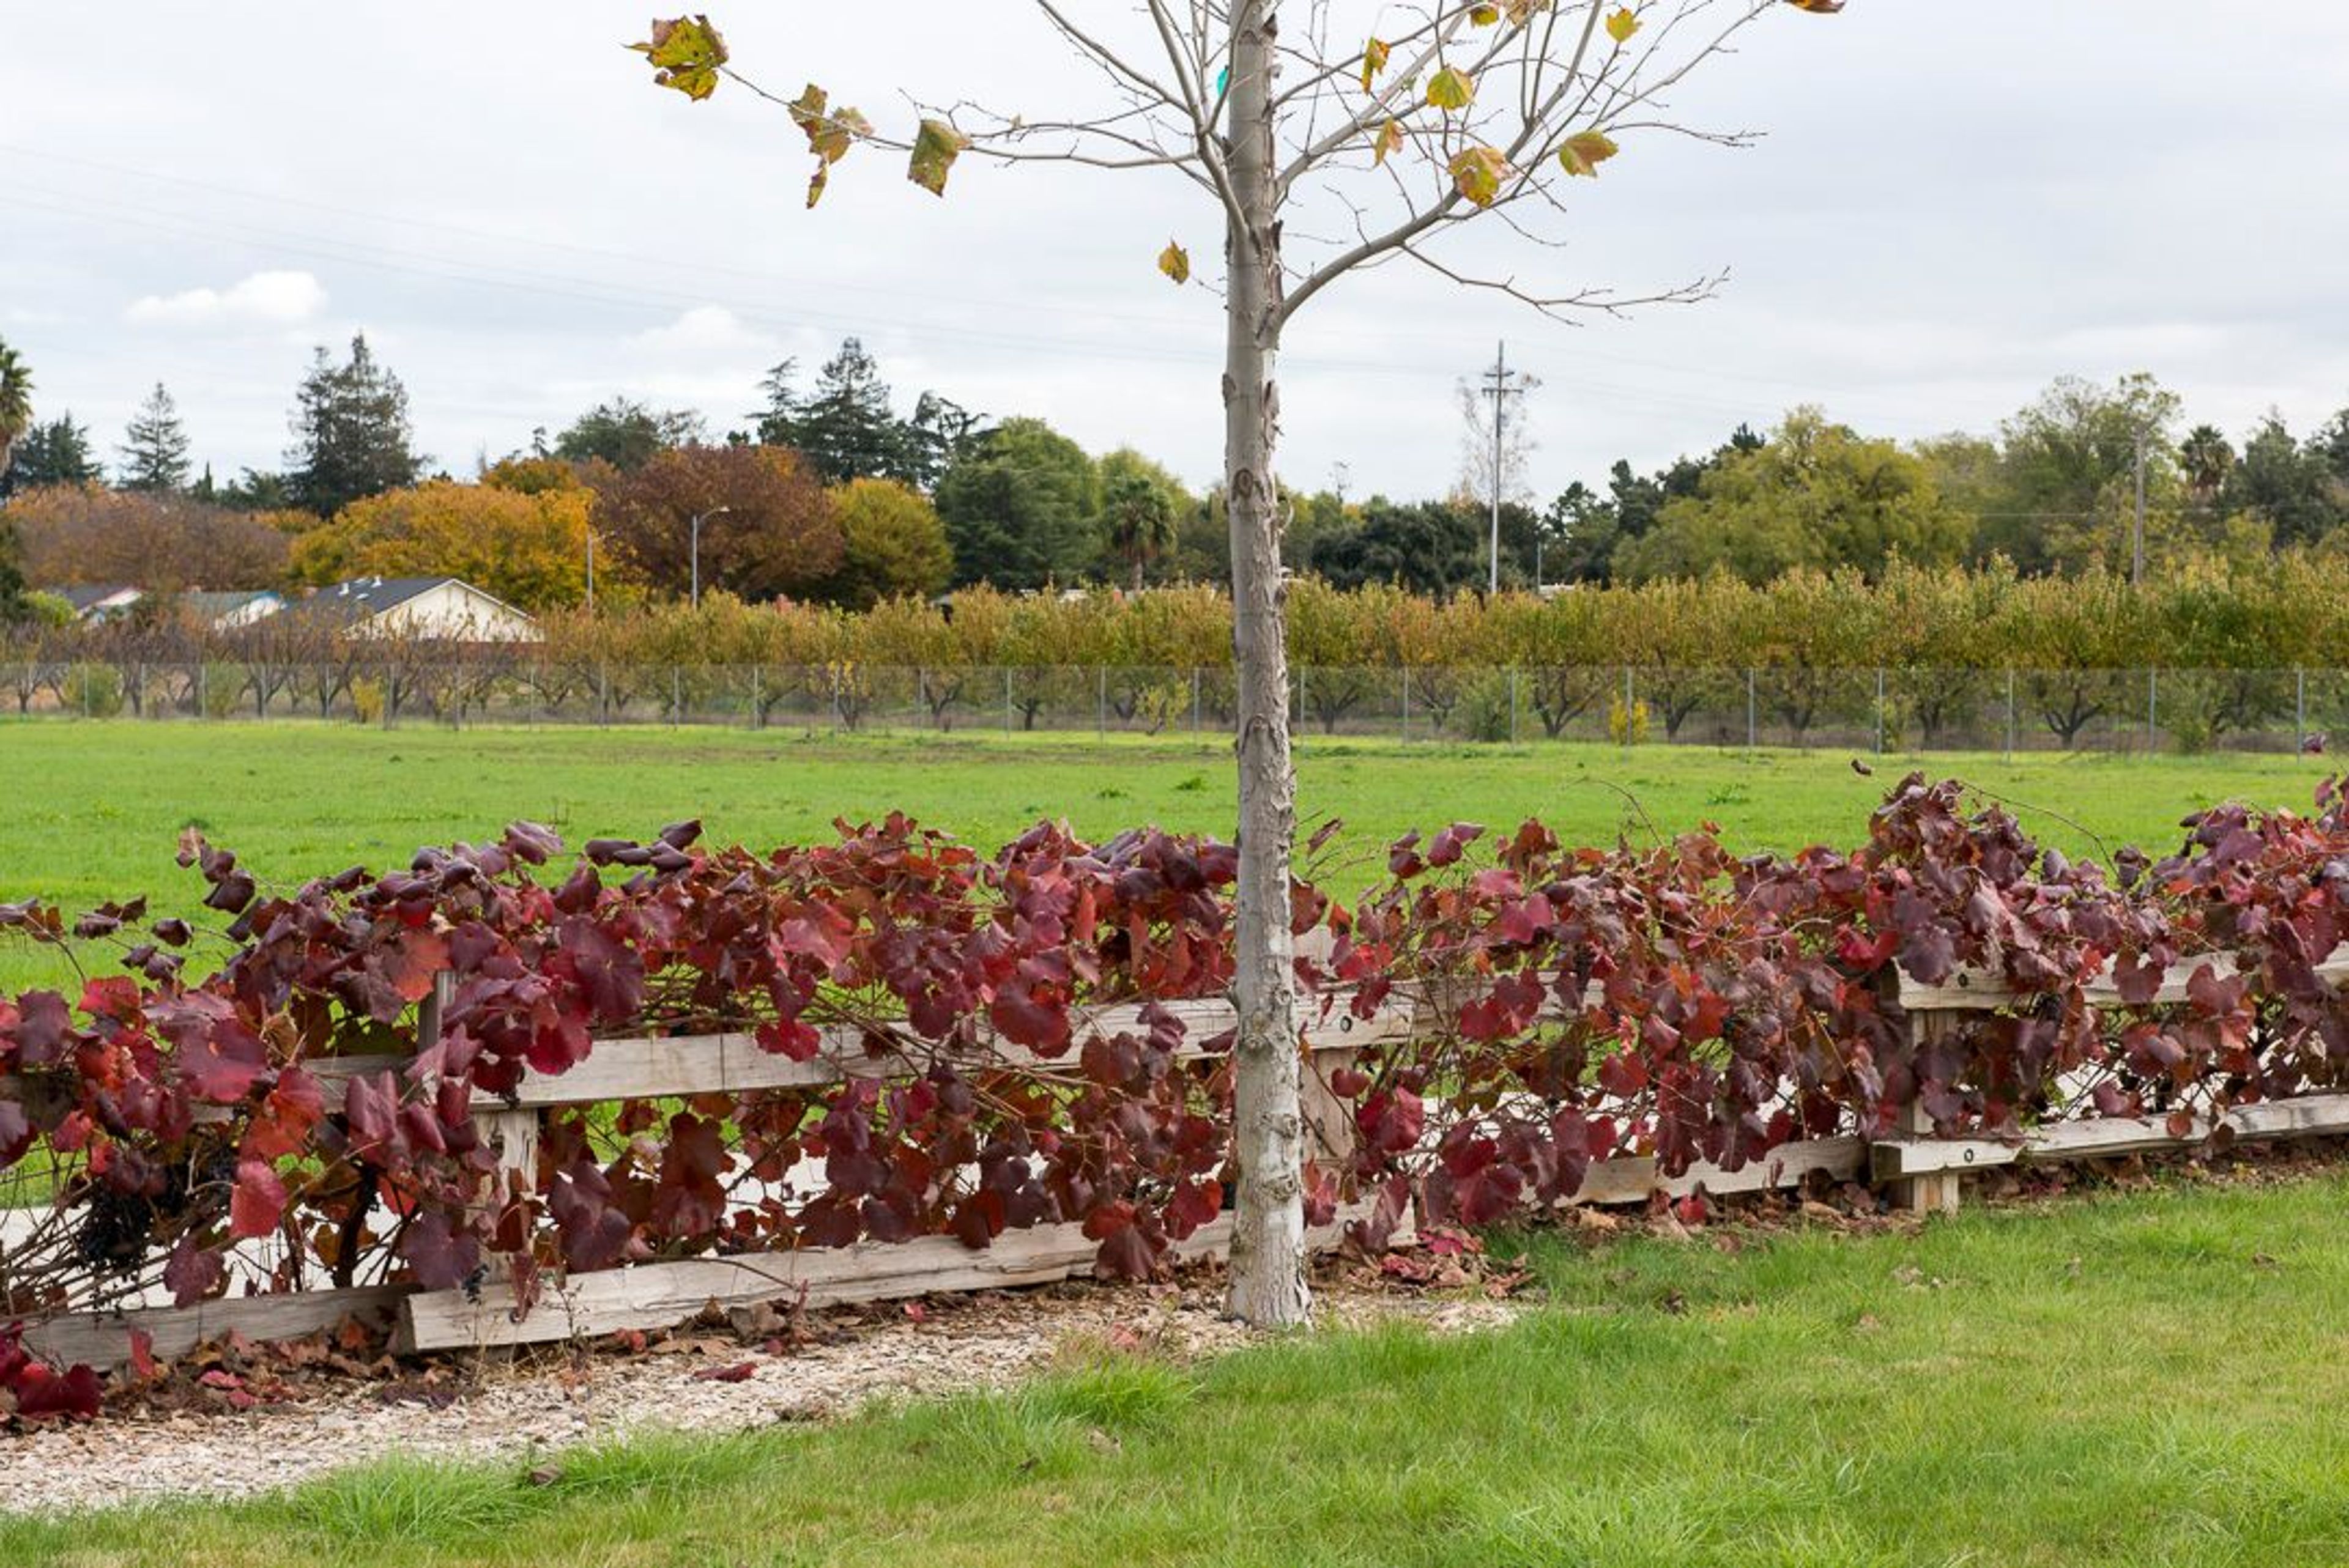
(15, 403)
(1139, 521)
(2206, 457)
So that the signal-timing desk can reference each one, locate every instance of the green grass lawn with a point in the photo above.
(2149, 1380)
(2156, 1378)
(94, 810)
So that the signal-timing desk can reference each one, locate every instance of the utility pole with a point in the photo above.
(698, 519)
(2137, 556)
(1500, 390)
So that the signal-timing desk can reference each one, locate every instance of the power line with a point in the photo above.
(1057, 308)
(664, 264)
(634, 301)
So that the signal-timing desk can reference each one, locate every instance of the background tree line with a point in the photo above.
(829, 494)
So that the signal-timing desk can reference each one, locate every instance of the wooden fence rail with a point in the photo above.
(1924, 1173)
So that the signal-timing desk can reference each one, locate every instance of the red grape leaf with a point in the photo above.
(257, 1201)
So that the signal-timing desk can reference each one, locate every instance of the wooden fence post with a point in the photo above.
(511, 1135)
(1329, 1120)
(1936, 1194)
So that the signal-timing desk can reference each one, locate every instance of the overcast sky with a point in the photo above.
(1953, 204)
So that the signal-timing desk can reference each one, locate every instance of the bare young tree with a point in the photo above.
(1364, 136)
(1495, 449)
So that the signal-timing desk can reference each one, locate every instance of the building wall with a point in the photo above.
(455, 611)
(247, 614)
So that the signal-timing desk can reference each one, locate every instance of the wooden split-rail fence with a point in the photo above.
(1923, 1172)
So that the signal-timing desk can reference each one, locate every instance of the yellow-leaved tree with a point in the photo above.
(529, 549)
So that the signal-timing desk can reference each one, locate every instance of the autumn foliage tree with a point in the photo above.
(1380, 129)
(530, 550)
(163, 543)
(768, 524)
(892, 544)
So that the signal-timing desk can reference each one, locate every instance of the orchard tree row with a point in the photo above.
(2271, 612)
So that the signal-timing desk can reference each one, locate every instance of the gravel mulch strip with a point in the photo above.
(187, 1442)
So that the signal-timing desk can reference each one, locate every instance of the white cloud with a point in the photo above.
(264, 299)
(1902, 277)
(701, 333)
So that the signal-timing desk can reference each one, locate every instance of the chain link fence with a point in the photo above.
(1875, 710)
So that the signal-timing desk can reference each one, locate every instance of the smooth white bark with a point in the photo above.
(1268, 1245)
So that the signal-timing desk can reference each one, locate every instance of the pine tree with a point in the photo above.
(626, 434)
(155, 448)
(254, 491)
(846, 429)
(352, 437)
(55, 453)
(941, 431)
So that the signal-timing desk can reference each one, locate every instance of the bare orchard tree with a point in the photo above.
(1387, 128)
(269, 655)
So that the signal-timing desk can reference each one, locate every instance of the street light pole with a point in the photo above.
(698, 518)
(2137, 553)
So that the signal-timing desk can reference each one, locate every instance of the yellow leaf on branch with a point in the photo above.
(686, 52)
(1584, 150)
(830, 135)
(1477, 173)
(936, 147)
(1451, 89)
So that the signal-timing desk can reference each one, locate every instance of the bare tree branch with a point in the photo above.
(1604, 301)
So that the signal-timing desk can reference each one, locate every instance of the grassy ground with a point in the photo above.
(95, 809)
(2155, 1379)
(2128, 1381)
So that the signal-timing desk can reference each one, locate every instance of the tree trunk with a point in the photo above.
(1267, 1272)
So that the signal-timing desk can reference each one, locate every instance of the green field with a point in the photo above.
(95, 809)
(2119, 1381)
(2122, 1381)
